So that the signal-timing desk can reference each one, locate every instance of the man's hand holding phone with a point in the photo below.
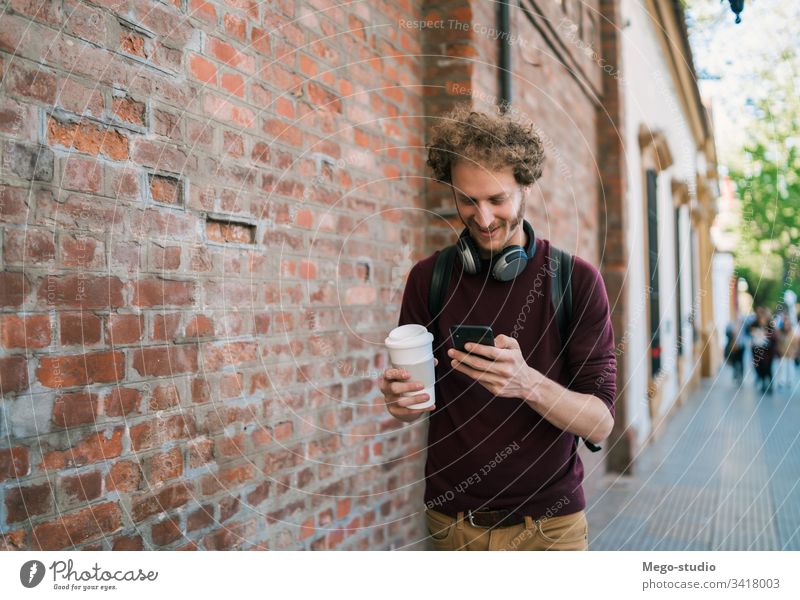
(501, 368)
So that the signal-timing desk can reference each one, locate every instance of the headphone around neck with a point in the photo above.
(506, 265)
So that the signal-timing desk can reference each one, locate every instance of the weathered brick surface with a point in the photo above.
(204, 209)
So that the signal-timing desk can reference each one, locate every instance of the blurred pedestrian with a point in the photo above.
(762, 334)
(797, 348)
(734, 347)
(786, 351)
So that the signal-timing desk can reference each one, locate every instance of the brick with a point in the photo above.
(235, 27)
(200, 452)
(85, 22)
(82, 251)
(79, 98)
(82, 175)
(260, 41)
(81, 488)
(31, 81)
(129, 110)
(84, 525)
(133, 43)
(160, 155)
(29, 246)
(24, 332)
(88, 137)
(77, 408)
(200, 518)
(229, 55)
(150, 434)
(219, 108)
(165, 327)
(165, 189)
(14, 540)
(14, 205)
(128, 543)
(161, 361)
(283, 431)
(203, 10)
(166, 532)
(14, 462)
(80, 291)
(200, 326)
(163, 397)
(231, 537)
(163, 292)
(230, 385)
(324, 99)
(23, 503)
(308, 66)
(202, 69)
(13, 374)
(17, 119)
(165, 259)
(261, 152)
(81, 369)
(233, 83)
(126, 256)
(95, 447)
(121, 402)
(220, 231)
(28, 162)
(172, 497)
(164, 466)
(79, 328)
(167, 124)
(227, 478)
(124, 329)
(228, 508)
(124, 476)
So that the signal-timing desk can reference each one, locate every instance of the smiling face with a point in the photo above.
(489, 201)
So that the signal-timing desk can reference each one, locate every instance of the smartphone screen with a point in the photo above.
(478, 334)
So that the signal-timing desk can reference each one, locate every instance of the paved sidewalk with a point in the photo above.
(725, 475)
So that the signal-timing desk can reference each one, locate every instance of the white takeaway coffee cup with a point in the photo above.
(411, 349)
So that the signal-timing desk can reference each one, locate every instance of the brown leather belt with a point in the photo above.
(489, 519)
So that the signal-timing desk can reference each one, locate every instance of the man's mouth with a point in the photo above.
(487, 234)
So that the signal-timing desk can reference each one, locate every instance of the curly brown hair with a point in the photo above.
(493, 141)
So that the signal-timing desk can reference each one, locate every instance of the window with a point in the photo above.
(652, 243)
(678, 312)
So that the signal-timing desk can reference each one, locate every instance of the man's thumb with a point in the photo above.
(504, 341)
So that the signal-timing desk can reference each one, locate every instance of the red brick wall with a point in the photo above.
(204, 206)
(207, 210)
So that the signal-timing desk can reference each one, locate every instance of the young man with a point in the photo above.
(502, 469)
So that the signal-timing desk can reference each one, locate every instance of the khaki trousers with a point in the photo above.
(563, 532)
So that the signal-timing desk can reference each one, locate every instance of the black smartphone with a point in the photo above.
(478, 334)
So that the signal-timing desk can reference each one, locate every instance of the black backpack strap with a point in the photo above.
(561, 296)
(442, 271)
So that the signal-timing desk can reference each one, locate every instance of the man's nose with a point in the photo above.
(484, 217)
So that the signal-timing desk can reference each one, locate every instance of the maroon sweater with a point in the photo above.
(491, 452)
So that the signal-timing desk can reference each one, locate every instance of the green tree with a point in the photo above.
(753, 72)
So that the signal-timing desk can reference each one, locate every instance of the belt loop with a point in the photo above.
(528, 522)
(460, 520)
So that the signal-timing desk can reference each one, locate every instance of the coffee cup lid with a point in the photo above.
(408, 336)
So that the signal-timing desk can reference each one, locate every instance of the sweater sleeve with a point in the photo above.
(591, 358)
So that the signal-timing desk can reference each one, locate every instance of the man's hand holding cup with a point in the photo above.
(408, 386)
